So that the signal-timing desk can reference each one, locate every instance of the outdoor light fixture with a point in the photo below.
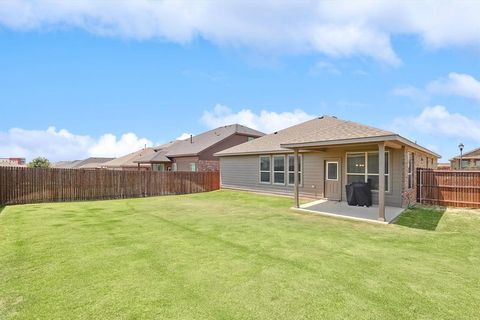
(460, 146)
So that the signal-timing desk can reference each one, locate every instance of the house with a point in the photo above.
(330, 153)
(89, 163)
(468, 161)
(197, 153)
(12, 162)
(127, 162)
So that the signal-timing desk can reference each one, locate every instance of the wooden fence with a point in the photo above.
(455, 188)
(32, 185)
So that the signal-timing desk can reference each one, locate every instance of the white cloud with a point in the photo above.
(324, 67)
(410, 92)
(265, 121)
(184, 136)
(459, 84)
(64, 145)
(440, 123)
(335, 28)
(108, 145)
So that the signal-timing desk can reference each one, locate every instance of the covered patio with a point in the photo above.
(341, 209)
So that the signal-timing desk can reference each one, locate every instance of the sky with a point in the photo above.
(105, 78)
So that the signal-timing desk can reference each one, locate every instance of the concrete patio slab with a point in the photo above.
(341, 209)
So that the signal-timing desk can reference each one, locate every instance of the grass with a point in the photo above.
(426, 218)
(231, 255)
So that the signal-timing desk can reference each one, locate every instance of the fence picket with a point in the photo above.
(449, 188)
(32, 185)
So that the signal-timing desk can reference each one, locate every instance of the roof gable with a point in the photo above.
(203, 141)
(325, 128)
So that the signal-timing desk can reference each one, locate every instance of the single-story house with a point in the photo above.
(329, 153)
(127, 162)
(468, 161)
(197, 153)
(89, 163)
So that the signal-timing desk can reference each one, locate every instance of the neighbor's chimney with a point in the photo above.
(191, 138)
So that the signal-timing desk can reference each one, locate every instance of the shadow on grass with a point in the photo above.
(426, 218)
(1, 209)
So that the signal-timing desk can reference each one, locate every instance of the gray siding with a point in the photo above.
(242, 172)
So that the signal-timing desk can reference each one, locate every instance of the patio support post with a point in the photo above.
(381, 181)
(295, 178)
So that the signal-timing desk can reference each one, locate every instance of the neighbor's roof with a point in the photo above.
(473, 154)
(128, 160)
(92, 162)
(10, 163)
(207, 139)
(158, 156)
(66, 164)
(325, 130)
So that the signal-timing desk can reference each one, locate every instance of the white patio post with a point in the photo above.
(381, 184)
(295, 178)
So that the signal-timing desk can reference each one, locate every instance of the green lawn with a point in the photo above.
(233, 255)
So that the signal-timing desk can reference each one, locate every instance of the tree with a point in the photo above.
(39, 162)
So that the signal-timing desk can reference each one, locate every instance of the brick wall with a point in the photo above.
(421, 160)
(208, 165)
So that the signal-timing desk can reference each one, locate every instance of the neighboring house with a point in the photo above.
(11, 162)
(127, 162)
(197, 152)
(444, 166)
(89, 163)
(469, 161)
(331, 153)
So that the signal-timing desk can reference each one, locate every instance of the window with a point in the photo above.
(193, 166)
(291, 169)
(465, 164)
(332, 171)
(279, 169)
(477, 163)
(411, 164)
(250, 138)
(265, 169)
(161, 167)
(174, 166)
(363, 166)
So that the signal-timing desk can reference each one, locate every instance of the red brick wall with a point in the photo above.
(208, 165)
(421, 160)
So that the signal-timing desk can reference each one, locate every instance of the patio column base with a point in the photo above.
(381, 219)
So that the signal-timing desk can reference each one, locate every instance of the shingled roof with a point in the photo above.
(129, 159)
(319, 130)
(193, 146)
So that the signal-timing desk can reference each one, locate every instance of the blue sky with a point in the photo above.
(115, 80)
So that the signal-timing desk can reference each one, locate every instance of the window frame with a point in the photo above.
(174, 167)
(260, 169)
(410, 169)
(326, 169)
(193, 165)
(366, 173)
(274, 171)
(300, 175)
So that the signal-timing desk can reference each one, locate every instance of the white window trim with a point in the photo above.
(366, 174)
(300, 159)
(260, 170)
(284, 169)
(326, 170)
